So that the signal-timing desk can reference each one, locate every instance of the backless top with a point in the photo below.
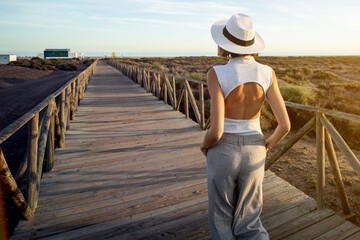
(239, 71)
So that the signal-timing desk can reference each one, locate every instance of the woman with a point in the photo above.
(234, 145)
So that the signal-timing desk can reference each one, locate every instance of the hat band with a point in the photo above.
(236, 40)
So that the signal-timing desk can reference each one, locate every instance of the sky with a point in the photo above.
(168, 26)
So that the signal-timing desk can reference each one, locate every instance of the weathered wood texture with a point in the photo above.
(132, 169)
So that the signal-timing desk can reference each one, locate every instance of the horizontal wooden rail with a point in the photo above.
(152, 81)
(42, 121)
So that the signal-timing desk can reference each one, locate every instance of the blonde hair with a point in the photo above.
(226, 54)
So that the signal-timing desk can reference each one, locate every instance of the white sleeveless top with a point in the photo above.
(238, 71)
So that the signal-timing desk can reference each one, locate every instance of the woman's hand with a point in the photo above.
(267, 145)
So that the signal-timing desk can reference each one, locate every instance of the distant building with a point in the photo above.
(56, 53)
(6, 58)
(77, 55)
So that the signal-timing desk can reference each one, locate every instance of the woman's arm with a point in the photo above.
(278, 107)
(217, 112)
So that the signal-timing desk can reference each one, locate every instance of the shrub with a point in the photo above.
(288, 79)
(67, 66)
(293, 75)
(197, 76)
(267, 118)
(337, 68)
(298, 94)
(307, 70)
(327, 75)
(311, 180)
(89, 61)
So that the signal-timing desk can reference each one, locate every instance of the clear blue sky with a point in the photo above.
(287, 26)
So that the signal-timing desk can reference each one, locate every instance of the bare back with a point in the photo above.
(244, 102)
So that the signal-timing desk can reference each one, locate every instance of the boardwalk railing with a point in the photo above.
(47, 120)
(163, 86)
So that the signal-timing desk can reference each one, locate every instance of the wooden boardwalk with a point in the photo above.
(132, 169)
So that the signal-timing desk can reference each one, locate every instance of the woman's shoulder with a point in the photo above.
(220, 68)
(264, 66)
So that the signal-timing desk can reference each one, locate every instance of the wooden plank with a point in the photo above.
(355, 236)
(121, 209)
(306, 206)
(119, 226)
(340, 232)
(288, 228)
(317, 229)
(282, 206)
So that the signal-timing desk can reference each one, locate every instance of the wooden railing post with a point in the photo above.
(165, 93)
(67, 107)
(158, 79)
(180, 98)
(186, 99)
(192, 102)
(320, 152)
(32, 161)
(76, 102)
(202, 106)
(337, 174)
(44, 132)
(62, 120)
(50, 146)
(168, 90)
(12, 189)
(72, 101)
(174, 92)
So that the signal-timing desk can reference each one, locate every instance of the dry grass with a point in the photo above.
(327, 75)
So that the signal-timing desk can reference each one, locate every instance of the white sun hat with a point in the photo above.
(237, 35)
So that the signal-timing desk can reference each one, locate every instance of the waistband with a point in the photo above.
(243, 138)
(248, 127)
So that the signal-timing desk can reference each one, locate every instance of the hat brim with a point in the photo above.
(226, 44)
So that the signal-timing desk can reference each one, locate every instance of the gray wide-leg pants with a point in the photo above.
(235, 172)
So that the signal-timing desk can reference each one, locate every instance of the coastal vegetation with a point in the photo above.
(51, 64)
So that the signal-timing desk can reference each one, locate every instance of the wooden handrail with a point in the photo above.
(323, 138)
(41, 139)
